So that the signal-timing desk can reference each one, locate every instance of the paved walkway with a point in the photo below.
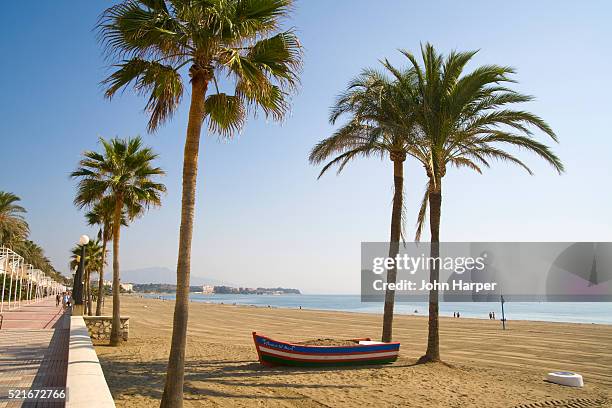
(33, 350)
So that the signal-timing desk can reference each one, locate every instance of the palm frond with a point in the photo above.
(150, 41)
(226, 113)
(161, 82)
(422, 216)
(122, 172)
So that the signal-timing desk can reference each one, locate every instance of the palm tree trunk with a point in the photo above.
(433, 338)
(173, 390)
(85, 289)
(114, 338)
(396, 232)
(101, 280)
(89, 300)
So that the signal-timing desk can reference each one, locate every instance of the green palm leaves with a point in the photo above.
(222, 41)
(440, 115)
(118, 185)
(14, 232)
(102, 214)
(122, 171)
(94, 256)
(380, 123)
(239, 62)
(13, 227)
(468, 119)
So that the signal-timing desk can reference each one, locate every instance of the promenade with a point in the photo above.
(33, 351)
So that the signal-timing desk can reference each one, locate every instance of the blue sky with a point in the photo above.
(262, 217)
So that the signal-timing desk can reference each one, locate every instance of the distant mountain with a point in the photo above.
(158, 274)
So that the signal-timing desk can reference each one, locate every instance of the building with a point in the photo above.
(128, 287)
(208, 289)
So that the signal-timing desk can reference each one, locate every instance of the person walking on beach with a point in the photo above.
(493, 315)
(490, 315)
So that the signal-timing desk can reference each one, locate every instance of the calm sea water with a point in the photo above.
(600, 313)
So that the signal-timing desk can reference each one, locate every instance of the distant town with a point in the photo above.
(211, 290)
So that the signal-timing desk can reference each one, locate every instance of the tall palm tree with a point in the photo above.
(124, 172)
(13, 227)
(238, 61)
(94, 259)
(381, 123)
(466, 120)
(102, 215)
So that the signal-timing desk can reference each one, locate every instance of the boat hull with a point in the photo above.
(273, 352)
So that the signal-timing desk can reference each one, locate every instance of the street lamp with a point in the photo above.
(77, 292)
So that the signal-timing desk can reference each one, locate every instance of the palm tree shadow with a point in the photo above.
(211, 378)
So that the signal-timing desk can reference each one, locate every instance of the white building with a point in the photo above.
(208, 289)
(128, 287)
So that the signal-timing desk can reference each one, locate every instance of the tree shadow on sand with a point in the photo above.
(134, 378)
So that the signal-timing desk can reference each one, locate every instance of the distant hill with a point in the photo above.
(158, 274)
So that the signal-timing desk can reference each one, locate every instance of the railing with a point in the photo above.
(21, 275)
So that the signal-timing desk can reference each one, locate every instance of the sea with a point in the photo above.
(571, 312)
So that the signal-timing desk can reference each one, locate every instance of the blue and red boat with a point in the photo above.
(365, 351)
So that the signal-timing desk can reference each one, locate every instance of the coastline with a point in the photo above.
(464, 308)
(488, 366)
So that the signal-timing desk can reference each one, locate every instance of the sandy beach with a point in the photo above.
(488, 367)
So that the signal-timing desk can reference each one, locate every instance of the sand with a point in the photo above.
(488, 367)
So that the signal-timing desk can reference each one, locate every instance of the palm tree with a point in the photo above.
(381, 123)
(94, 259)
(13, 227)
(34, 255)
(465, 120)
(102, 214)
(233, 45)
(123, 172)
(14, 233)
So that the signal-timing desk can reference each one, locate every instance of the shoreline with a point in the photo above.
(397, 313)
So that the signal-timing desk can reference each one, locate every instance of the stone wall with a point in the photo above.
(99, 327)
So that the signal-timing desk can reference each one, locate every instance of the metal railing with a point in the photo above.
(23, 276)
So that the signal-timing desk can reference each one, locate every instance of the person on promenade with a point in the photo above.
(57, 300)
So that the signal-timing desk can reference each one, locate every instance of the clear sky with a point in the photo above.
(262, 217)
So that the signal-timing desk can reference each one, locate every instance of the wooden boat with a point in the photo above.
(365, 351)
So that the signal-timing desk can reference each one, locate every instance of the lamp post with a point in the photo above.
(77, 290)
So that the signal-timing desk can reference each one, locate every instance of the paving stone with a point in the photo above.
(34, 350)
